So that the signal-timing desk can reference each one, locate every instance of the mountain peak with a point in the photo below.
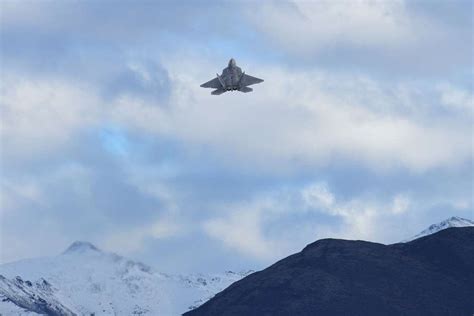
(454, 221)
(80, 247)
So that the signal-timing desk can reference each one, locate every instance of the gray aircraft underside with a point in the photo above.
(232, 79)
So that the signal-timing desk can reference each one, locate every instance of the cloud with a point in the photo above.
(242, 231)
(134, 162)
(144, 79)
(275, 223)
(317, 196)
(362, 128)
(401, 204)
(298, 117)
(457, 98)
(309, 118)
(133, 240)
(43, 115)
(283, 221)
(386, 36)
(329, 23)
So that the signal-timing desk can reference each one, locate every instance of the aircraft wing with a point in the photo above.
(249, 80)
(214, 83)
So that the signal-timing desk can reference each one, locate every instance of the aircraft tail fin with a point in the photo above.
(221, 81)
(241, 77)
(245, 89)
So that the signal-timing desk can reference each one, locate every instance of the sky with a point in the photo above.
(362, 129)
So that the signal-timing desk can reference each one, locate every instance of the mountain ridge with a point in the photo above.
(432, 275)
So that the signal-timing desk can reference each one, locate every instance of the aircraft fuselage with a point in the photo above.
(231, 79)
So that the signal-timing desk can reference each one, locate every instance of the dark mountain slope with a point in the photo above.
(433, 275)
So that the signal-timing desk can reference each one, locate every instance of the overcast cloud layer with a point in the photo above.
(361, 130)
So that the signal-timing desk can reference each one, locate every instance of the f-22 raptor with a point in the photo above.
(232, 79)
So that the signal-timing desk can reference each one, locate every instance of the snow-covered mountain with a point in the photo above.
(30, 296)
(454, 221)
(87, 281)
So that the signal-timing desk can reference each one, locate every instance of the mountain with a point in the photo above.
(38, 297)
(432, 275)
(84, 280)
(454, 221)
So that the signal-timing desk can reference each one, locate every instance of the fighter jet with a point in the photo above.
(232, 79)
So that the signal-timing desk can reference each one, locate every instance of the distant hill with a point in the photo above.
(432, 275)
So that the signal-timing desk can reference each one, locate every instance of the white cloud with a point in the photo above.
(457, 98)
(298, 120)
(301, 118)
(401, 204)
(32, 189)
(249, 227)
(311, 26)
(41, 115)
(12, 192)
(133, 240)
(318, 196)
(242, 231)
(282, 222)
(293, 119)
(28, 217)
(394, 38)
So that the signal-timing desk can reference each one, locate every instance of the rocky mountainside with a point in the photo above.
(85, 280)
(36, 297)
(432, 275)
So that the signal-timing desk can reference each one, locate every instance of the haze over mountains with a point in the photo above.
(85, 280)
